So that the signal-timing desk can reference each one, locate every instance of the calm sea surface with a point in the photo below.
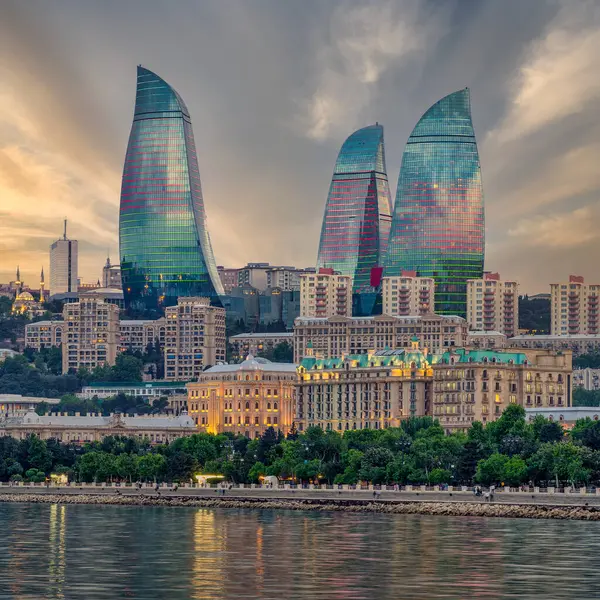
(93, 552)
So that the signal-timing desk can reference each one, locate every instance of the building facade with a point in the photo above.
(356, 222)
(286, 279)
(339, 336)
(477, 385)
(577, 344)
(111, 275)
(325, 294)
(588, 379)
(90, 334)
(63, 265)
(438, 223)
(43, 334)
(486, 340)
(407, 294)
(158, 429)
(165, 248)
(194, 338)
(254, 274)
(228, 277)
(243, 344)
(574, 307)
(244, 399)
(15, 405)
(363, 391)
(493, 305)
(137, 335)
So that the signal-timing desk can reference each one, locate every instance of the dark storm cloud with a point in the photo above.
(274, 88)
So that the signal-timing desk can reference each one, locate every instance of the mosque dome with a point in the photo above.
(24, 297)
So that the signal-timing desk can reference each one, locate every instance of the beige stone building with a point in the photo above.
(578, 344)
(245, 399)
(44, 334)
(493, 305)
(194, 338)
(363, 391)
(325, 294)
(477, 385)
(338, 336)
(78, 429)
(90, 333)
(407, 294)
(136, 335)
(574, 307)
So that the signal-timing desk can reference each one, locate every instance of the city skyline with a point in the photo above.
(287, 85)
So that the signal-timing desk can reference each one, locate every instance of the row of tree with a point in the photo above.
(509, 450)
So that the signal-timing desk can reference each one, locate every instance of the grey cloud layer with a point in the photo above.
(274, 88)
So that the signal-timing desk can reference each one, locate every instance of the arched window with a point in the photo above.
(268, 406)
(256, 406)
(268, 420)
(247, 405)
(275, 406)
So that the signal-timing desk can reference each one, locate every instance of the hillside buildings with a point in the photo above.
(438, 223)
(575, 307)
(493, 305)
(165, 248)
(244, 399)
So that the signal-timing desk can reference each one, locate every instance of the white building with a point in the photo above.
(194, 338)
(407, 294)
(493, 304)
(285, 278)
(43, 334)
(325, 294)
(15, 405)
(574, 307)
(111, 275)
(63, 265)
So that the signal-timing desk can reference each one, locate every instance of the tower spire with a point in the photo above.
(65, 232)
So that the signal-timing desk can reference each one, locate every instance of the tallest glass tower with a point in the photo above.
(164, 244)
(438, 222)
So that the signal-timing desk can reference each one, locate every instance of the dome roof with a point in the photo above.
(25, 297)
(31, 418)
(252, 362)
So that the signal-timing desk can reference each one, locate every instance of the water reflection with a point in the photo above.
(126, 552)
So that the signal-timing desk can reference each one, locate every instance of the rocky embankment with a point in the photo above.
(458, 509)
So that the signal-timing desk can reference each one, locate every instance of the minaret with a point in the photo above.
(18, 281)
(42, 284)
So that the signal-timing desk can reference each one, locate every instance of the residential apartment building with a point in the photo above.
(493, 305)
(111, 276)
(588, 379)
(43, 334)
(244, 399)
(194, 338)
(254, 274)
(574, 307)
(577, 344)
(90, 334)
(486, 340)
(339, 336)
(363, 391)
(137, 335)
(243, 344)
(325, 294)
(228, 277)
(284, 278)
(407, 294)
(477, 385)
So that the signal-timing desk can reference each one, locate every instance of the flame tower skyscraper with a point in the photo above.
(164, 244)
(438, 222)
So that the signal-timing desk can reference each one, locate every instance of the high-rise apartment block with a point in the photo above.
(194, 338)
(228, 277)
(63, 265)
(111, 275)
(493, 305)
(325, 294)
(338, 336)
(244, 399)
(137, 335)
(254, 274)
(574, 307)
(406, 294)
(90, 334)
(43, 334)
(286, 279)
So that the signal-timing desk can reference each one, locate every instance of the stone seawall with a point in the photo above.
(458, 509)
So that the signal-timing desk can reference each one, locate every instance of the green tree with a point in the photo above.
(151, 467)
(257, 471)
(38, 456)
(515, 471)
(492, 469)
(351, 461)
(374, 464)
(587, 432)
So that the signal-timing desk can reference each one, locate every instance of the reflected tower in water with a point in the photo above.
(164, 243)
(438, 222)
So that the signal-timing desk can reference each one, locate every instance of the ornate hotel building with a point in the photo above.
(363, 391)
(477, 385)
(339, 336)
(244, 399)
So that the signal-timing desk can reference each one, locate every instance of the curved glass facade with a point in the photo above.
(438, 223)
(357, 217)
(164, 243)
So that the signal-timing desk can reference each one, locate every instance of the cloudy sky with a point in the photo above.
(274, 87)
